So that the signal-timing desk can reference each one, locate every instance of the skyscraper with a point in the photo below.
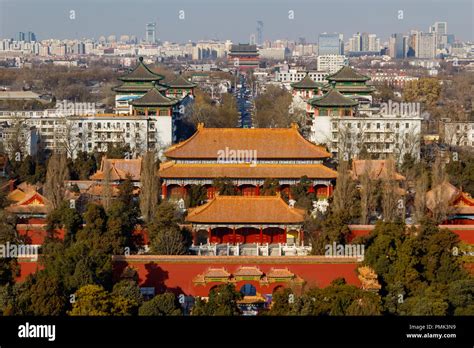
(330, 44)
(31, 37)
(150, 33)
(426, 45)
(396, 46)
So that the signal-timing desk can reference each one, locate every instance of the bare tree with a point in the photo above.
(106, 191)
(149, 188)
(345, 190)
(390, 193)
(367, 195)
(421, 187)
(56, 174)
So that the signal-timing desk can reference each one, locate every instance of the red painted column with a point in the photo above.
(257, 190)
(302, 236)
(209, 234)
(194, 237)
(233, 235)
(164, 191)
(261, 234)
(328, 191)
(284, 235)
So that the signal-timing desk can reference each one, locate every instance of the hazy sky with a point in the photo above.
(231, 19)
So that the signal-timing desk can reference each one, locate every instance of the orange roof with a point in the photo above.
(448, 193)
(377, 169)
(269, 143)
(280, 273)
(119, 169)
(32, 202)
(248, 271)
(216, 273)
(172, 169)
(16, 195)
(246, 209)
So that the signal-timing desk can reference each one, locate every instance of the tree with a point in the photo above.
(270, 187)
(345, 193)
(8, 234)
(225, 186)
(424, 90)
(368, 196)
(197, 195)
(222, 302)
(64, 217)
(47, 296)
(421, 187)
(165, 234)
(56, 175)
(149, 186)
(390, 194)
(161, 305)
(273, 109)
(91, 300)
(280, 302)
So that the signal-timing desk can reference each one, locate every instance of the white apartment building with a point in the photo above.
(331, 62)
(458, 133)
(295, 75)
(380, 134)
(18, 140)
(61, 131)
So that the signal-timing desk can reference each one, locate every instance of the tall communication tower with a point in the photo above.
(259, 33)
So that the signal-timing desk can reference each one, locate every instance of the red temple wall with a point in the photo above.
(178, 276)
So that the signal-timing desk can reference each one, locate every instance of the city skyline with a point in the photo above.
(184, 22)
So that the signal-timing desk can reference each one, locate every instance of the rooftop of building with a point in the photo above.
(154, 98)
(246, 209)
(347, 74)
(141, 73)
(332, 98)
(266, 143)
(306, 83)
(119, 169)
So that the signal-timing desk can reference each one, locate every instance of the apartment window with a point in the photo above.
(349, 125)
(407, 125)
(137, 135)
(378, 136)
(89, 125)
(397, 125)
(334, 125)
(358, 125)
(79, 124)
(98, 125)
(387, 146)
(137, 125)
(108, 124)
(127, 125)
(152, 125)
(368, 125)
(109, 135)
(378, 125)
(387, 125)
(127, 135)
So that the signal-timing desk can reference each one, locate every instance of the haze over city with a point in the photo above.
(234, 20)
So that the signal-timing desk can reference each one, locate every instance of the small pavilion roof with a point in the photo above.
(347, 74)
(246, 209)
(332, 98)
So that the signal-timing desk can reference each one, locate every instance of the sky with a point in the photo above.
(192, 20)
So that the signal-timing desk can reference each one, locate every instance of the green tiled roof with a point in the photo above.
(141, 73)
(154, 98)
(180, 82)
(306, 83)
(332, 98)
(346, 73)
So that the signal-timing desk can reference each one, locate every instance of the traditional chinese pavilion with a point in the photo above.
(332, 103)
(243, 56)
(246, 219)
(153, 103)
(180, 87)
(247, 156)
(28, 205)
(460, 203)
(306, 88)
(136, 84)
(350, 83)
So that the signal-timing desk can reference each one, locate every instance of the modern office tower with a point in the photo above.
(426, 45)
(374, 43)
(150, 33)
(259, 32)
(331, 44)
(31, 37)
(397, 46)
(440, 28)
(21, 36)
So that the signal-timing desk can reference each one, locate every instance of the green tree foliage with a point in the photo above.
(223, 114)
(461, 172)
(118, 150)
(161, 305)
(222, 302)
(166, 237)
(91, 300)
(225, 186)
(300, 193)
(83, 166)
(270, 187)
(197, 195)
(47, 295)
(64, 217)
(8, 234)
